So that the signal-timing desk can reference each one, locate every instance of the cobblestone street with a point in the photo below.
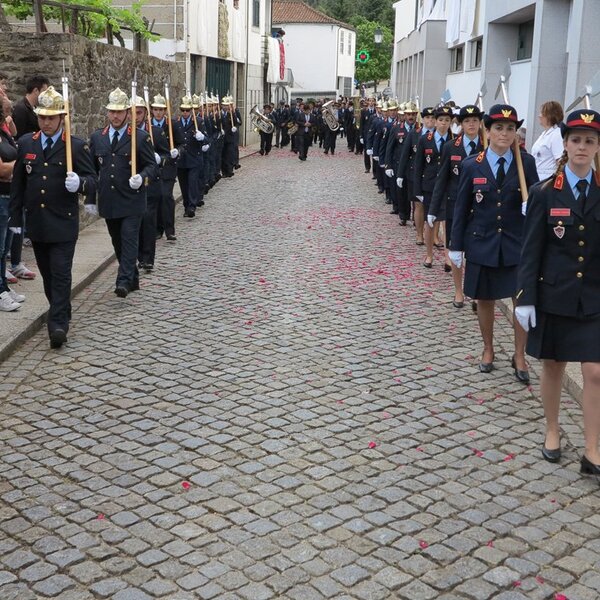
(290, 408)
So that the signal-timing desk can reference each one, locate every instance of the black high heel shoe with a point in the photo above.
(588, 467)
(552, 456)
(487, 367)
(522, 376)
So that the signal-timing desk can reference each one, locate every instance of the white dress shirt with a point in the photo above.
(546, 150)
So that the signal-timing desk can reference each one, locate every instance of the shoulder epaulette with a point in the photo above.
(105, 130)
(430, 136)
(36, 135)
(458, 141)
(480, 156)
(129, 130)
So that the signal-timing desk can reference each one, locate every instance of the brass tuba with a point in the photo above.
(264, 124)
(329, 117)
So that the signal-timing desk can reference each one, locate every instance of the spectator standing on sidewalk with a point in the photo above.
(48, 195)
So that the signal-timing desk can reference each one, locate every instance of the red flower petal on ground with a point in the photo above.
(428, 368)
(539, 579)
(386, 415)
(397, 380)
(517, 583)
(490, 544)
(558, 596)
(100, 517)
(470, 395)
(262, 281)
(423, 544)
(186, 485)
(372, 445)
(508, 457)
(472, 433)
(480, 401)
(340, 401)
(477, 452)
(419, 449)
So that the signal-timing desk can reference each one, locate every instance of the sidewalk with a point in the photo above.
(93, 254)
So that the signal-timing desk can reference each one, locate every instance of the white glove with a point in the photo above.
(419, 198)
(233, 129)
(157, 158)
(174, 153)
(72, 182)
(135, 182)
(526, 316)
(524, 208)
(199, 136)
(456, 258)
(15, 230)
(389, 172)
(91, 209)
(205, 147)
(399, 181)
(341, 129)
(370, 152)
(375, 158)
(431, 220)
(362, 141)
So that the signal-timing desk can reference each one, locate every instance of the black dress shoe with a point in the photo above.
(522, 376)
(388, 201)
(457, 304)
(588, 467)
(171, 237)
(474, 306)
(121, 291)
(135, 286)
(393, 212)
(447, 268)
(403, 222)
(419, 243)
(552, 456)
(57, 338)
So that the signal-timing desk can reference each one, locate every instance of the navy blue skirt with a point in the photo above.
(490, 283)
(565, 339)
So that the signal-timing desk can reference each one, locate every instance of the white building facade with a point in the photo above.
(464, 45)
(319, 50)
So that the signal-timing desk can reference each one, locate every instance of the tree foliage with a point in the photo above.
(94, 23)
(379, 64)
(380, 11)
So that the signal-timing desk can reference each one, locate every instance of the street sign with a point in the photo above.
(362, 56)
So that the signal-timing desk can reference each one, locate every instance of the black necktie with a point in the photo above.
(582, 188)
(473, 147)
(500, 174)
(49, 147)
(115, 140)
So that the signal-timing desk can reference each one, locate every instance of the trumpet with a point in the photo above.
(264, 124)
(329, 118)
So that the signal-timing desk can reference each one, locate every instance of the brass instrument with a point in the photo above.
(264, 124)
(328, 116)
(292, 128)
(356, 104)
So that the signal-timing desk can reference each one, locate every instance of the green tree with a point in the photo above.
(379, 65)
(342, 10)
(92, 24)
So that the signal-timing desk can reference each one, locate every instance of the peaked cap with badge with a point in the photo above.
(502, 112)
(469, 110)
(581, 119)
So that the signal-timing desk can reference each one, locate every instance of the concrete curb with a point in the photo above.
(93, 254)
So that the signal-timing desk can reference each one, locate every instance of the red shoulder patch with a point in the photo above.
(479, 180)
(480, 157)
(36, 135)
(559, 181)
(105, 130)
(456, 157)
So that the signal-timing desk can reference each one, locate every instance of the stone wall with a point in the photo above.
(93, 68)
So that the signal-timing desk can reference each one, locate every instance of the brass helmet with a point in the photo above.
(159, 102)
(139, 101)
(50, 103)
(196, 101)
(392, 104)
(410, 106)
(186, 102)
(118, 100)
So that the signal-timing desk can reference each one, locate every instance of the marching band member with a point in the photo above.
(488, 227)
(559, 283)
(443, 199)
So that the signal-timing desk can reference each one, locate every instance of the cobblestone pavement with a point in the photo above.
(290, 408)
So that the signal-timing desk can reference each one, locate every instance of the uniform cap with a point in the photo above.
(227, 100)
(159, 102)
(392, 104)
(428, 112)
(196, 101)
(443, 111)
(50, 103)
(502, 112)
(581, 119)
(118, 100)
(470, 110)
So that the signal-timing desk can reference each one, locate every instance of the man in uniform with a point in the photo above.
(230, 136)
(165, 220)
(266, 139)
(366, 116)
(305, 122)
(147, 243)
(48, 194)
(190, 167)
(121, 194)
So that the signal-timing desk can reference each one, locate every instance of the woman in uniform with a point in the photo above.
(488, 226)
(559, 281)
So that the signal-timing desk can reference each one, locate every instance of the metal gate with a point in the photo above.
(218, 76)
